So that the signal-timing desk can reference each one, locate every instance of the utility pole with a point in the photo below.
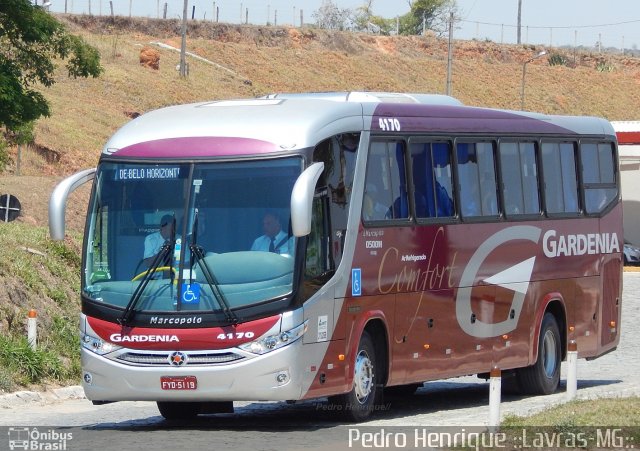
(519, 22)
(183, 45)
(450, 55)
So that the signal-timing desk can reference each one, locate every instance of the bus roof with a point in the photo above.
(295, 121)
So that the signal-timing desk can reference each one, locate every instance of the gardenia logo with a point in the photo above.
(579, 244)
(117, 338)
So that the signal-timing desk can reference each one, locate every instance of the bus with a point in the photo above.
(417, 239)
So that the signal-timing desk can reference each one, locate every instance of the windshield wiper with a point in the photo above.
(198, 254)
(160, 257)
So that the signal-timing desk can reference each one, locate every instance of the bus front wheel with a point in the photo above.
(543, 377)
(358, 404)
(178, 410)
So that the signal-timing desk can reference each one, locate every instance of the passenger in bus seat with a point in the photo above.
(274, 239)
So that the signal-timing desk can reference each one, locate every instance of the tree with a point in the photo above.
(30, 42)
(423, 14)
(331, 17)
(364, 20)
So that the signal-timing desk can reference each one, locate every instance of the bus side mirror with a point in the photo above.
(58, 200)
(302, 199)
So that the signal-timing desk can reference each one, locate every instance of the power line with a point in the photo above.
(572, 27)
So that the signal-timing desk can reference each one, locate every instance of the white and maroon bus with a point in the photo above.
(415, 239)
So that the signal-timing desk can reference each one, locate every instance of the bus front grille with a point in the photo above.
(164, 358)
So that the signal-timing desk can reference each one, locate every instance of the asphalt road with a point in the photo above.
(460, 402)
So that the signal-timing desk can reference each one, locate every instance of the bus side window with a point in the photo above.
(433, 186)
(560, 178)
(318, 255)
(519, 178)
(385, 194)
(339, 158)
(477, 179)
(598, 176)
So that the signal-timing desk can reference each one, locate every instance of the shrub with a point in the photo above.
(4, 154)
(604, 66)
(556, 59)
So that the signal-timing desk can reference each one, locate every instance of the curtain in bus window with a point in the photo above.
(519, 178)
(385, 195)
(422, 180)
(560, 182)
(598, 174)
(401, 202)
(432, 180)
(569, 177)
(529, 170)
(476, 171)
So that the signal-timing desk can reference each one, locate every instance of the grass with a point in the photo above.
(612, 423)
(39, 274)
(602, 412)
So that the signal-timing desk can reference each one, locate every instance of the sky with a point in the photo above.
(615, 23)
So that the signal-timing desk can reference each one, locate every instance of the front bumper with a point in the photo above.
(256, 379)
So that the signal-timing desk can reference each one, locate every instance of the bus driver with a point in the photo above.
(274, 239)
(153, 242)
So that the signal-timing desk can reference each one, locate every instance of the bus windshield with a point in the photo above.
(190, 236)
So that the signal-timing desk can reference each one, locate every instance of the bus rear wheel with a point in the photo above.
(543, 377)
(178, 410)
(358, 404)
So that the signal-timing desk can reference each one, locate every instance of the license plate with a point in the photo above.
(178, 382)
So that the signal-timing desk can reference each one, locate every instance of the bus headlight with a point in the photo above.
(97, 345)
(276, 341)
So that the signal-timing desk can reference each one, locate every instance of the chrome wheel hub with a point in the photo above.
(363, 377)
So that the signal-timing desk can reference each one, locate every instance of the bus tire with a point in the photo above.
(358, 404)
(543, 377)
(178, 410)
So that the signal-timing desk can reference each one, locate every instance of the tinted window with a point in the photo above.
(476, 173)
(339, 157)
(560, 182)
(598, 174)
(385, 194)
(432, 179)
(519, 178)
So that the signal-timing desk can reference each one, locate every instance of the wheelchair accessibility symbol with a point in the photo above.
(356, 282)
(190, 293)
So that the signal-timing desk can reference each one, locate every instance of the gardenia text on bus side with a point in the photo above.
(580, 244)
